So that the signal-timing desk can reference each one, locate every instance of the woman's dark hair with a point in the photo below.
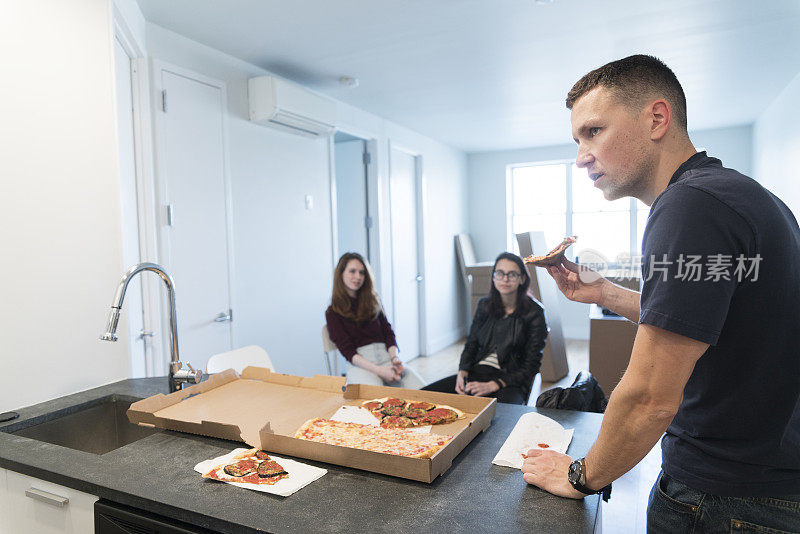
(369, 305)
(523, 303)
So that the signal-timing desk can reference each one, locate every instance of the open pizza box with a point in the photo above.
(265, 409)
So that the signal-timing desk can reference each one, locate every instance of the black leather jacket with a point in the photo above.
(519, 353)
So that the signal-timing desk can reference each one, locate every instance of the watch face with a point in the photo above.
(574, 473)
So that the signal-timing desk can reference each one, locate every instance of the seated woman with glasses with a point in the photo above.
(503, 352)
(359, 329)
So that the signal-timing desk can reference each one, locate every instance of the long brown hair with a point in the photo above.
(369, 305)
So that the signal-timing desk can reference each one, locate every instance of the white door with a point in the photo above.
(406, 275)
(196, 231)
(351, 197)
(129, 202)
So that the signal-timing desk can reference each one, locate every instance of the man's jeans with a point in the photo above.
(676, 508)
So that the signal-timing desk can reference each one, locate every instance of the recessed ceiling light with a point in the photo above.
(543, 2)
(348, 81)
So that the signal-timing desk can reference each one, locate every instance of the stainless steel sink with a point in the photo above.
(97, 427)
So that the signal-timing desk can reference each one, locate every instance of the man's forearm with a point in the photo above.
(629, 431)
(620, 300)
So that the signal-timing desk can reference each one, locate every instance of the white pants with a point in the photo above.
(379, 355)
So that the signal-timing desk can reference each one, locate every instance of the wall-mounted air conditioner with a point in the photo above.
(289, 107)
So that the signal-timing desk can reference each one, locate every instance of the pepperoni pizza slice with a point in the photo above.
(252, 467)
(401, 413)
(554, 256)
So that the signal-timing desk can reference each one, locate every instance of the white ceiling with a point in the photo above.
(493, 74)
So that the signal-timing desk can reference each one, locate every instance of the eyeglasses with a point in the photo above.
(512, 276)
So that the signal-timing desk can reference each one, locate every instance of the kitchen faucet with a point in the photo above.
(177, 375)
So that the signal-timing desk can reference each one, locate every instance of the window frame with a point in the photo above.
(568, 214)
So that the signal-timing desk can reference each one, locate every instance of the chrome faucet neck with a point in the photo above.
(177, 375)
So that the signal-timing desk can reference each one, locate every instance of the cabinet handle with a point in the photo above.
(49, 498)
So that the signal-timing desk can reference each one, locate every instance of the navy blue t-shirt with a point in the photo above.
(721, 264)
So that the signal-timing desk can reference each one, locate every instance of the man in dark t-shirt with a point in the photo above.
(716, 361)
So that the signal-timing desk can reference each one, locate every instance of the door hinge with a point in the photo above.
(164, 100)
(367, 158)
(368, 221)
(170, 215)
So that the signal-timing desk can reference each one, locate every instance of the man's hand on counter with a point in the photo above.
(548, 471)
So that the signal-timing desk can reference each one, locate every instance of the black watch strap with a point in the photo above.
(583, 489)
(605, 492)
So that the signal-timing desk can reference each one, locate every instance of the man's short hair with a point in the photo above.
(633, 80)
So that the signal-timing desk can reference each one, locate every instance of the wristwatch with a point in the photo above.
(577, 478)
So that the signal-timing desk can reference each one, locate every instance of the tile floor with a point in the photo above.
(626, 512)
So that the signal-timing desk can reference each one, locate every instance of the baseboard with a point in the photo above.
(443, 341)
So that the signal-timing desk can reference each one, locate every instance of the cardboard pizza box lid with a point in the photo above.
(265, 409)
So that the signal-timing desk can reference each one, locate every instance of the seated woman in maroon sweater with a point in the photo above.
(359, 329)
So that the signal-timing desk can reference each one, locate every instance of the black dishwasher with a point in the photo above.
(113, 518)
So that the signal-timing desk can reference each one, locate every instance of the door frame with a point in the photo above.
(162, 193)
(145, 185)
(420, 198)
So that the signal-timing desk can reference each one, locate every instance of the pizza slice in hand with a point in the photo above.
(554, 256)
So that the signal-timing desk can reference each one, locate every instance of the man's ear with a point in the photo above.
(661, 117)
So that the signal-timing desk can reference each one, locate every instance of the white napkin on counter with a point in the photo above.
(531, 431)
(300, 475)
(362, 416)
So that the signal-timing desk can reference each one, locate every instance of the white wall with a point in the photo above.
(283, 252)
(486, 173)
(282, 271)
(733, 145)
(776, 147)
(59, 200)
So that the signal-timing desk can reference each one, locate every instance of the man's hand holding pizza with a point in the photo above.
(581, 284)
(578, 283)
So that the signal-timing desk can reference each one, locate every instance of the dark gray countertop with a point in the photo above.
(156, 474)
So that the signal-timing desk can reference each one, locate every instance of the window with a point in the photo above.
(559, 199)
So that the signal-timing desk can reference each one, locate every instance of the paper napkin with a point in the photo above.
(532, 431)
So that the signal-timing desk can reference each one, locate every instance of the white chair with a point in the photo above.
(239, 359)
(330, 353)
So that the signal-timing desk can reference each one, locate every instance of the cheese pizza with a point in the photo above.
(398, 441)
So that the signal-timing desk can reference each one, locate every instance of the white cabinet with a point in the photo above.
(32, 505)
(3, 503)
